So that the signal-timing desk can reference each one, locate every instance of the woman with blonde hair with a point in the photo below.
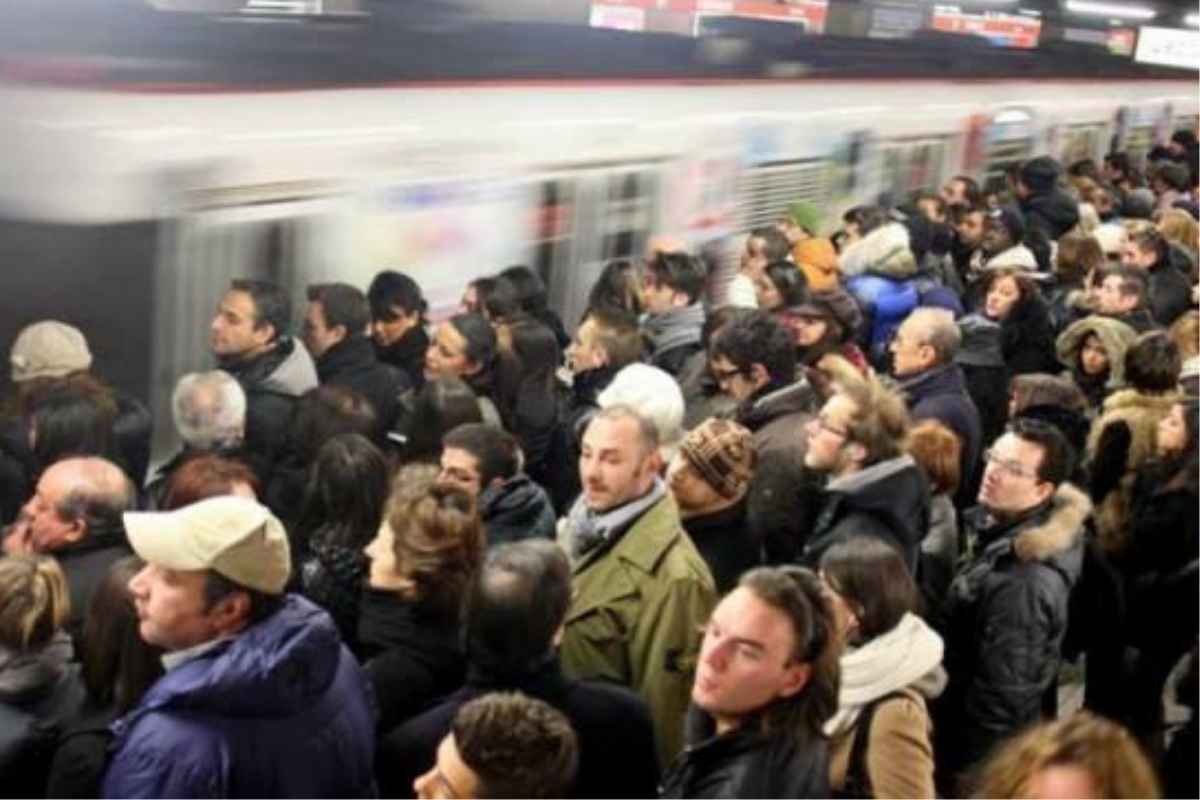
(1079, 756)
(40, 687)
(429, 546)
(1178, 227)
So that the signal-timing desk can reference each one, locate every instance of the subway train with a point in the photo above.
(126, 206)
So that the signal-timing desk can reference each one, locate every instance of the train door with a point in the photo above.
(764, 193)
(598, 214)
(1010, 141)
(912, 165)
(223, 237)
(1079, 142)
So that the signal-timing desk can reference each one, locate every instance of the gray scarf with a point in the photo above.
(34, 672)
(587, 529)
(676, 328)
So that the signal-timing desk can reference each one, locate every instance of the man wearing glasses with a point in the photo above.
(1006, 611)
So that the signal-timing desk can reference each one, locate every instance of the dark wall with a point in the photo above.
(97, 278)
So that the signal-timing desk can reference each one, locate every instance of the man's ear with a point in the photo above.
(265, 333)
(340, 331)
(856, 452)
(759, 375)
(76, 530)
(680, 300)
(796, 679)
(230, 613)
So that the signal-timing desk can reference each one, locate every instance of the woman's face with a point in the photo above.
(810, 330)
(1001, 297)
(1093, 358)
(447, 354)
(769, 298)
(1171, 436)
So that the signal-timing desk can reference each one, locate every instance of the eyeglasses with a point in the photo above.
(724, 375)
(825, 426)
(1014, 468)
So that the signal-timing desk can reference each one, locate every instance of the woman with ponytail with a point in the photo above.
(766, 684)
(40, 687)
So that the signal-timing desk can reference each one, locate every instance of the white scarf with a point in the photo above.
(910, 653)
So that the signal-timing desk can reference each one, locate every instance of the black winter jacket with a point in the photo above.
(726, 544)
(516, 509)
(411, 658)
(617, 757)
(747, 763)
(332, 576)
(941, 394)
(575, 407)
(408, 354)
(1054, 213)
(352, 363)
(1004, 621)
(889, 500)
(1169, 293)
(86, 564)
(1027, 338)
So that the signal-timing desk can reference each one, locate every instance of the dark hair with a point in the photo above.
(797, 592)
(758, 339)
(324, 412)
(618, 334)
(718, 318)
(1152, 363)
(342, 304)
(206, 475)
(496, 299)
(72, 421)
(1133, 281)
(616, 289)
(346, 493)
(1119, 161)
(867, 218)
(1175, 176)
(1149, 239)
(971, 191)
(871, 576)
(516, 602)
(438, 538)
(117, 665)
(262, 605)
(1182, 469)
(534, 361)
(271, 305)
(680, 272)
(480, 337)
(440, 405)
(496, 451)
(775, 245)
(1077, 256)
(1084, 167)
(517, 746)
(1058, 456)
(529, 288)
(789, 281)
(390, 290)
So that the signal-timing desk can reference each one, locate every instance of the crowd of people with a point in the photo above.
(843, 533)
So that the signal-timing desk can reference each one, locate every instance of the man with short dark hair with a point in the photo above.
(1006, 611)
(641, 588)
(503, 745)
(335, 332)
(604, 343)
(764, 246)
(672, 290)
(1002, 244)
(923, 353)
(260, 698)
(1169, 292)
(969, 224)
(513, 618)
(962, 191)
(485, 462)
(873, 486)
(249, 336)
(1122, 296)
(75, 516)
(1046, 207)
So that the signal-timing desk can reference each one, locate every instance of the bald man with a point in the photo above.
(75, 516)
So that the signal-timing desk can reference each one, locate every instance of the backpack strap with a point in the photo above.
(858, 779)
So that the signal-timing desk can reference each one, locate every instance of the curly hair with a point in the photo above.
(438, 542)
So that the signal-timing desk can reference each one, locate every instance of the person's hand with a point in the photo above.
(18, 538)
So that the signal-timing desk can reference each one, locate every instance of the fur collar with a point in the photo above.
(1132, 399)
(1061, 528)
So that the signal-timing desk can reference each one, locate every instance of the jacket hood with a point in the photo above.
(275, 668)
(797, 397)
(894, 490)
(287, 369)
(1016, 257)
(1061, 529)
(1055, 207)
(518, 500)
(1115, 335)
(884, 251)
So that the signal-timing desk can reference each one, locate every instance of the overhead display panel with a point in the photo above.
(1004, 30)
(1168, 47)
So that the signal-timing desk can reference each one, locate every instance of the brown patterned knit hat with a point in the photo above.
(723, 453)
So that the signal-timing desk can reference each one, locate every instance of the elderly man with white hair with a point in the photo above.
(209, 410)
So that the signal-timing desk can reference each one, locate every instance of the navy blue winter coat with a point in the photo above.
(281, 710)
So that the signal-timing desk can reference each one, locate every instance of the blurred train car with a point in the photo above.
(127, 209)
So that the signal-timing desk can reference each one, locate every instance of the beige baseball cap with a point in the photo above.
(235, 536)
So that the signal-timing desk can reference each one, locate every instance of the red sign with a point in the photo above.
(1004, 29)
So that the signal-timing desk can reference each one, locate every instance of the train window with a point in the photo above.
(765, 192)
(910, 165)
(1010, 142)
(1139, 141)
(1080, 142)
(553, 226)
(626, 216)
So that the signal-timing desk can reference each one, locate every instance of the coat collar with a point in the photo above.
(1051, 530)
